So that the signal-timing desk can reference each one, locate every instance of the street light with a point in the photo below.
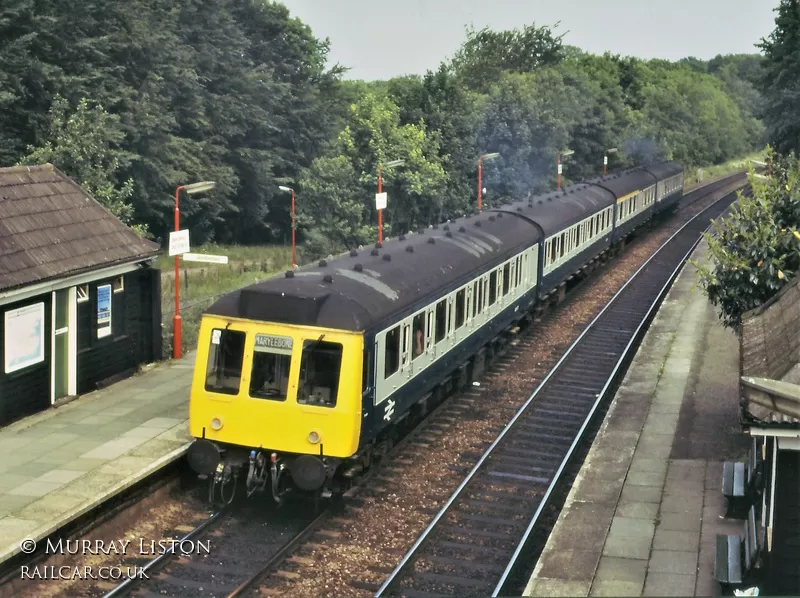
(610, 150)
(562, 154)
(491, 156)
(190, 189)
(378, 199)
(291, 190)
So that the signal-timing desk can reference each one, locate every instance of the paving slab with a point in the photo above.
(667, 507)
(59, 464)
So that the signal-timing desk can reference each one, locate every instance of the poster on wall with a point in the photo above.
(103, 310)
(24, 337)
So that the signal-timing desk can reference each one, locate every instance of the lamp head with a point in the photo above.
(193, 188)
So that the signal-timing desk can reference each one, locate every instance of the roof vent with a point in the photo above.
(327, 278)
(432, 241)
(410, 248)
(449, 235)
(462, 229)
(358, 268)
(378, 245)
(446, 227)
(353, 253)
(491, 218)
(289, 274)
(374, 252)
(519, 209)
(402, 237)
(435, 227)
(540, 202)
(500, 214)
(421, 231)
(549, 198)
(322, 263)
(478, 223)
(387, 257)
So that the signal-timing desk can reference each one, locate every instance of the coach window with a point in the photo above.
(320, 367)
(224, 368)
(506, 279)
(269, 376)
(418, 347)
(461, 299)
(441, 320)
(474, 299)
(493, 287)
(391, 357)
(480, 296)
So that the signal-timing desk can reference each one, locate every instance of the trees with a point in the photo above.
(84, 144)
(780, 80)
(755, 249)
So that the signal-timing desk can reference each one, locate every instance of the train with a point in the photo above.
(303, 380)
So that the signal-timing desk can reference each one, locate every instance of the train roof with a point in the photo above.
(625, 182)
(555, 211)
(361, 290)
(664, 170)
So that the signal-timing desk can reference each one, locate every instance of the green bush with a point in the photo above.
(755, 249)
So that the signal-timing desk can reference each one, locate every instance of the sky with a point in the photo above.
(380, 39)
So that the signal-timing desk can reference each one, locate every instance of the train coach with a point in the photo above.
(302, 380)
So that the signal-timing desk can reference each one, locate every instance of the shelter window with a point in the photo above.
(269, 375)
(391, 356)
(418, 346)
(82, 292)
(441, 320)
(461, 299)
(493, 287)
(225, 355)
(320, 368)
(506, 279)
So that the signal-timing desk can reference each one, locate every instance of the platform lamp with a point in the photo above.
(491, 156)
(562, 154)
(291, 190)
(610, 150)
(381, 166)
(190, 189)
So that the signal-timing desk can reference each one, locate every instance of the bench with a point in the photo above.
(736, 558)
(739, 483)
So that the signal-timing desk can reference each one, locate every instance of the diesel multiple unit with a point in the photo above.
(302, 380)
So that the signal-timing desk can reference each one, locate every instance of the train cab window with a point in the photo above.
(320, 367)
(441, 320)
(493, 287)
(269, 376)
(225, 356)
(461, 301)
(506, 279)
(391, 357)
(418, 341)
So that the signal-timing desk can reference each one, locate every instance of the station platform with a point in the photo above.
(642, 516)
(61, 463)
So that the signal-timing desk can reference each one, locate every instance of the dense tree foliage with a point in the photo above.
(756, 249)
(780, 78)
(237, 91)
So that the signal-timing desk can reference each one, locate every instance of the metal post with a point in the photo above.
(294, 261)
(380, 212)
(176, 320)
(480, 173)
(558, 176)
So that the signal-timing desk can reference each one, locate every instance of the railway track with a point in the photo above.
(472, 545)
(241, 557)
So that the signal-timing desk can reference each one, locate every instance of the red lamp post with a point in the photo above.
(561, 154)
(290, 189)
(480, 175)
(381, 165)
(605, 158)
(177, 349)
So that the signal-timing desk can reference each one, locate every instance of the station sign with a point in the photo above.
(179, 242)
(203, 257)
(381, 201)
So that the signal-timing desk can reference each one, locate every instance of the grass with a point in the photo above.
(710, 172)
(203, 283)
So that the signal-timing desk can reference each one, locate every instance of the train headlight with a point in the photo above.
(216, 423)
(313, 437)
